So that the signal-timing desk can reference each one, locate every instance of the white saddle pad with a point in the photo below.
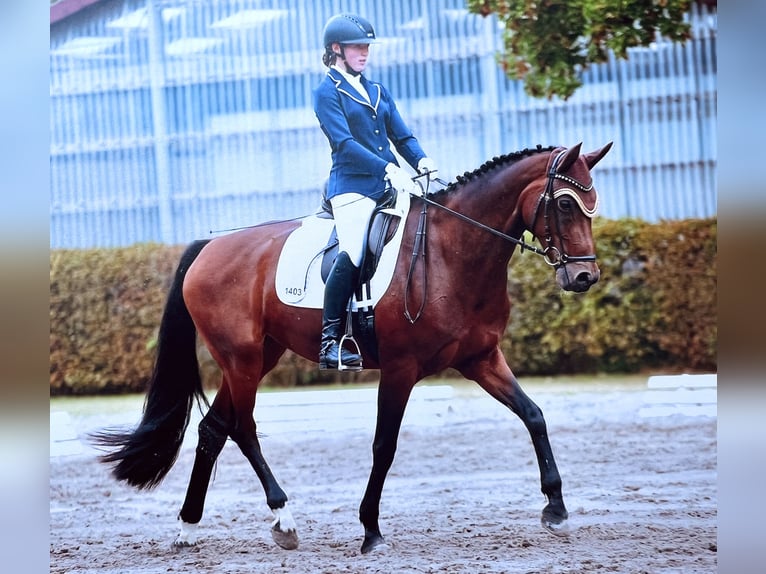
(299, 270)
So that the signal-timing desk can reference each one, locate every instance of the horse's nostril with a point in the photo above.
(583, 277)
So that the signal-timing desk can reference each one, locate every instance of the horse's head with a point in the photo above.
(560, 216)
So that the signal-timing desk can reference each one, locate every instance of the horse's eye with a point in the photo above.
(565, 204)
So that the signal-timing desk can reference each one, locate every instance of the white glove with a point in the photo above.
(401, 180)
(427, 165)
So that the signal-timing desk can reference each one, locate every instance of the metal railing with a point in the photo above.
(172, 118)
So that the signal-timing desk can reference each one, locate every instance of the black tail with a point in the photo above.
(146, 454)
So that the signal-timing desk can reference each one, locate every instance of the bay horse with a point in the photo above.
(224, 291)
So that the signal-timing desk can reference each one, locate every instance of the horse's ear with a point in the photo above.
(594, 157)
(570, 156)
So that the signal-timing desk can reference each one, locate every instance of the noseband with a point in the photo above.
(550, 253)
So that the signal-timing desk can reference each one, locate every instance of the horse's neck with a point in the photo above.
(468, 250)
(493, 199)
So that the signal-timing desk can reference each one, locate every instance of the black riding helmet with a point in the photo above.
(348, 29)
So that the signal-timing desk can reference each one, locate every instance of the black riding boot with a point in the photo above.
(339, 287)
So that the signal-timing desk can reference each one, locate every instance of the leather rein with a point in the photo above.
(550, 253)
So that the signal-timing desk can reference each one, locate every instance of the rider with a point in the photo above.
(359, 117)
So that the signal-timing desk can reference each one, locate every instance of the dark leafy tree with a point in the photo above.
(548, 43)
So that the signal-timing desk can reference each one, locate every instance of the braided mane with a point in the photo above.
(492, 164)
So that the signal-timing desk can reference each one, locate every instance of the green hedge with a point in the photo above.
(104, 311)
(653, 309)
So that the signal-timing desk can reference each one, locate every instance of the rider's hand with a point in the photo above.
(427, 165)
(401, 180)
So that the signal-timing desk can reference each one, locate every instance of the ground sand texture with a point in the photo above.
(462, 496)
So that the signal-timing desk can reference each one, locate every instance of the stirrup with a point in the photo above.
(341, 366)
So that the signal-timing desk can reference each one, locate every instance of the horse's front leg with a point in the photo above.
(392, 401)
(494, 376)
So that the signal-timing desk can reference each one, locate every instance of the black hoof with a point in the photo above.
(554, 520)
(373, 541)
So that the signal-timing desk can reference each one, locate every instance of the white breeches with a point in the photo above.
(352, 212)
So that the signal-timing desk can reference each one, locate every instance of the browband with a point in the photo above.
(589, 213)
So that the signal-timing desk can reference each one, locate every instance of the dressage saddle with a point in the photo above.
(381, 229)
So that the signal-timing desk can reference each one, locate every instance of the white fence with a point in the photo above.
(172, 118)
(690, 395)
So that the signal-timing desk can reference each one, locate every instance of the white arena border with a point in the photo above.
(686, 394)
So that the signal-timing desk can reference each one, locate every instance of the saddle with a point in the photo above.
(381, 229)
(310, 250)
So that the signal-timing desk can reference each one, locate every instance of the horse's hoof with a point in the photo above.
(287, 540)
(374, 542)
(554, 518)
(558, 527)
(187, 537)
(284, 531)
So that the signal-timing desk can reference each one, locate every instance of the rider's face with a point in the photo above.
(356, 56)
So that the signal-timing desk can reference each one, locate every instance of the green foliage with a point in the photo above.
(682, 277)
(548, 43)
(654, 308)
(104, 316)
(105, 310)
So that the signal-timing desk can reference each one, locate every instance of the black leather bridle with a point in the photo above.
(552, 255)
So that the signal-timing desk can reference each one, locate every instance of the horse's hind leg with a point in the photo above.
(233, 416)
(496, 378)
(213, 432)
(283, 529)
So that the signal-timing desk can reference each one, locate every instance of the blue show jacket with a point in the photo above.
(359, 133)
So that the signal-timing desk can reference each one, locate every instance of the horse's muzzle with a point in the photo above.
(577, 277)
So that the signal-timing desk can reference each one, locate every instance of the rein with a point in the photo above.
(418, 250)
(524, 245)
(550, 253)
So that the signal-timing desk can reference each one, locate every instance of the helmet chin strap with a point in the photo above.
(342, 55)
(350, 70)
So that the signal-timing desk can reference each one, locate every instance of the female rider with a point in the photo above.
(359, 118)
